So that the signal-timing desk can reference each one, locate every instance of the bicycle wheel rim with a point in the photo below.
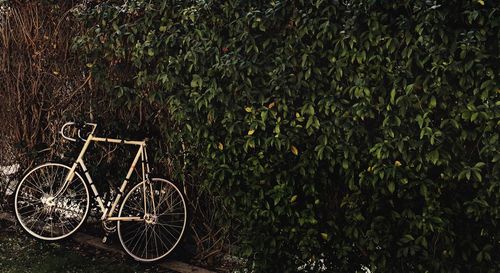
(151, 242)
(67, 212)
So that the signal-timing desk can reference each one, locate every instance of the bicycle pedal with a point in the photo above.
(104, 239)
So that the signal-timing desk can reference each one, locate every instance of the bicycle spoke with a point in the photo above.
(137, 232)
(171, 209)
(164, 220)
(145, 251)
(138, 240)
(37, 208)
(135, 209)
(51, 226)
(35, 187)
(32, 200)
(138, 204)
(169, 225)
(156, 242)
(29, 211)
(165, 237)
(167, 230)
(162, 200)
(37, 218)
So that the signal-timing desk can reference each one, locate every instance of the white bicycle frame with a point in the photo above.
(109, 209)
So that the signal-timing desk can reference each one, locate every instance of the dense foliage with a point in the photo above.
(334, 133)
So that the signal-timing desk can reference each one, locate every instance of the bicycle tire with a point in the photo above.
(45, 216)
(159, 233)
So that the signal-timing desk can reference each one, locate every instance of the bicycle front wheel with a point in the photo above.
(44, 208)
(161, 208)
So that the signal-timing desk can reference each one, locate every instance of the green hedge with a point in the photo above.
(334, 133)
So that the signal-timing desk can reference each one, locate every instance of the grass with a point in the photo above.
(20, 253)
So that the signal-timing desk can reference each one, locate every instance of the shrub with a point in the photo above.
(41, 84)
(333, 134)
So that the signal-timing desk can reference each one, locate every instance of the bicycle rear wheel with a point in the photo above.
(41, 212)
(161, 228)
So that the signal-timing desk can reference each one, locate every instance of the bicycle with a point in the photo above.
(52, 202)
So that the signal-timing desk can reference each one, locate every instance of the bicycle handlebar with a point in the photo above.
(79, 126)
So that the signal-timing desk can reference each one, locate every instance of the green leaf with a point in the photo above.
(407, 238)
(393, 95)
(479, 165)
(432, 103)
(433, 156)
(391, 187)
(310, 121)
(423, 190)
(478, 176)
(197, 81)
(345, 164)
(496, 158)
